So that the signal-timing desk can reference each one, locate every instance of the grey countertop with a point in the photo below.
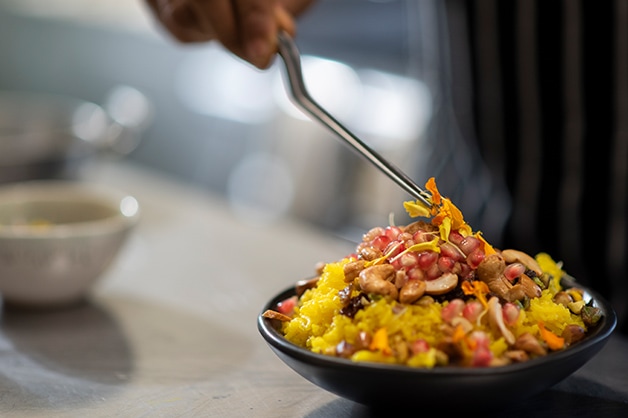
(171, 328)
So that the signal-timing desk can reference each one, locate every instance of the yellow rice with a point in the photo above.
(318, 325)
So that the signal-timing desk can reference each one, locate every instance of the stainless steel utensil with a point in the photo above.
(299, 94)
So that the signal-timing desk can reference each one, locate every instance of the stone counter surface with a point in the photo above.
(170, 330)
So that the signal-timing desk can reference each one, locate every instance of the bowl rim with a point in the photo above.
(599, 334)
(70, 191)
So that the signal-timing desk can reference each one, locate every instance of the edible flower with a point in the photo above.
(488, 248)
(416, 210)
(431, 187)
(459, 334)
(554, 342)
(477, 288)
(445, 215)
(380, 342)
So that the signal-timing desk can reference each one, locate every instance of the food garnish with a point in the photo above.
(436, 293)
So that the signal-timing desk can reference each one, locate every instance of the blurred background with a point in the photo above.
(381, 67)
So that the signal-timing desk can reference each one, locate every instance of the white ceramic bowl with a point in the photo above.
(57, 237)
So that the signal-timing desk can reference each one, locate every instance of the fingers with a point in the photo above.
(252, 32)
(247, 28)
(182, 19)
(249, 32)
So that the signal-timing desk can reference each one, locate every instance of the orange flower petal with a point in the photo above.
(477, 288)
(431, 187)
(380, 342)
(553, 341)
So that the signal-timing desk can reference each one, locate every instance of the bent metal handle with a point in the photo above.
(291, 57)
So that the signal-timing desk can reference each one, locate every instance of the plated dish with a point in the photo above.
(433, 306)
(380, 385)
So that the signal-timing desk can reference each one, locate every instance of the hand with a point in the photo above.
(247, 28)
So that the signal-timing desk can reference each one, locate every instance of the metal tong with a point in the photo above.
(291, 57)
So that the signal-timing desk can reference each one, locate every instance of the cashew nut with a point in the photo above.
(443, 284)
(412, 291)
(491, 271)
(352, 269)
(369, 253)
(496, 319)
(376, 279)
(491, 267)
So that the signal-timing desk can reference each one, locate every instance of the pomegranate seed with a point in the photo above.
(409, 260)
(419, 346)
(392, 232)
(472, 311)
(286, 306)
(481, 339)
(449, 250)
(465, 272)
(482, 357)
(380, 242)
(421, 236)
(446, 264)
(433, 272)
(427, 259)
(452, 310)
(394, 248)
(511, 313)
(457, 268)
(455, 237)
(469, 244)
(512, 271)
(416, 274)
(372, 234)
(475, 258)
(404, 236)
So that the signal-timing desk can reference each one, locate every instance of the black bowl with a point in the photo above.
(378, 385)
